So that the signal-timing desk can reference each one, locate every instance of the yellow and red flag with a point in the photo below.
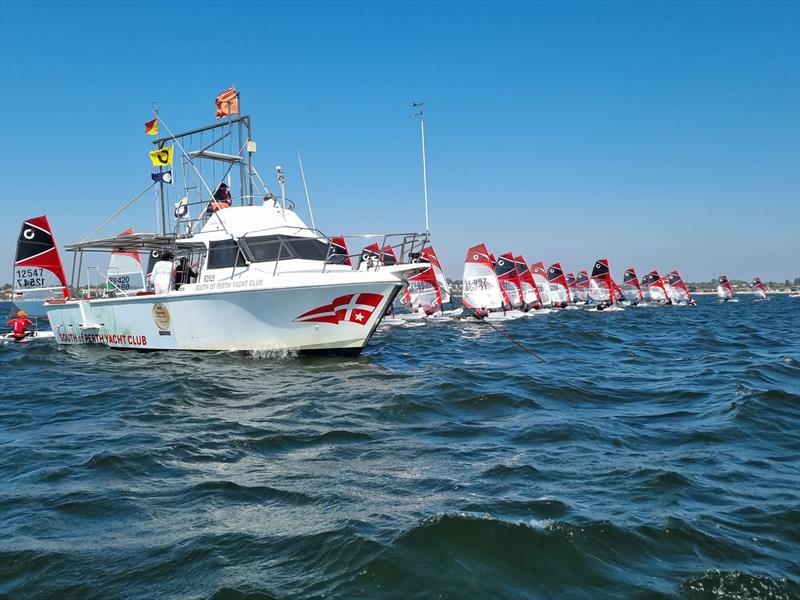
(227, 103)
(151, 127)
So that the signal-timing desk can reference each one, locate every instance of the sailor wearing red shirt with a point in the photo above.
(19, 324)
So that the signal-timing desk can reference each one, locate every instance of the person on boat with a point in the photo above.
(222, 199)
(19, 326)
(184, 272)
(161, 277)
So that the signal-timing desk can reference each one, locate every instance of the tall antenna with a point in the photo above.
(305, 187)
(421, 115)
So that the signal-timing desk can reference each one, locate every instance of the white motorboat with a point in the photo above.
(246, 274)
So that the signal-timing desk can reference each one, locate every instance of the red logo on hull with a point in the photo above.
(353, 308)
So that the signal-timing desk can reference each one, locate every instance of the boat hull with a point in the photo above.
(266, 319)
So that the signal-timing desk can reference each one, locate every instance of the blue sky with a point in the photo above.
(659, 135)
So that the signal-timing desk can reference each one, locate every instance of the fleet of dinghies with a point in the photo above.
(494, 288)
(491, 290)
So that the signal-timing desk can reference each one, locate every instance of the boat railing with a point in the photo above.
(186, 227)
(406, 246)
(106, 287)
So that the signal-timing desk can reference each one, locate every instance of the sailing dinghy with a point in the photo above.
(38, 276)
(601, 288)
(582, 287)
(558, 286)
(653, 289)
(539, 274)
(530, 293)
(482, 294)
(681, 296)
(428, 291)
(510, 286)
(725, 290)
(631, 288)
(758, 288)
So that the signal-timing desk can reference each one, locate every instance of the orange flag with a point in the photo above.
(151, 127)
(228, 103)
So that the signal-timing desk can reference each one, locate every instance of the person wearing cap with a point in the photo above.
(222, 199)
(19, 325)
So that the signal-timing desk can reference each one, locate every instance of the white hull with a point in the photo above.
(38, 336)
(264, 318)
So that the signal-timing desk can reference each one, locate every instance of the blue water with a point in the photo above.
(654, 455)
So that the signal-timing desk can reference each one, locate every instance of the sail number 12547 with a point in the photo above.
(29, 277)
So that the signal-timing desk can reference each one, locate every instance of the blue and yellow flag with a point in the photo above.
(162, 157)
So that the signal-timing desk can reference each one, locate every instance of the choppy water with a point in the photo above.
(655, 455)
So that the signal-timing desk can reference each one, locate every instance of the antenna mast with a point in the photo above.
(421, 115)
(305, 187)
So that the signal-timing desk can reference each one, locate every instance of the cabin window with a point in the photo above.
(267, 247)
(224, 254)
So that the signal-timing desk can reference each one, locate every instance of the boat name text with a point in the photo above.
(229, 285)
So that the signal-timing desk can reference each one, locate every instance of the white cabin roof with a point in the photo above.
(238, 221)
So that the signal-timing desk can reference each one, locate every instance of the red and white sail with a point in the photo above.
(680, 293)
(725, 289)
(530, 293)
(539, 274)
(631, 288)
(125, 274)
(615, 288)
(672, 294)
(582, 286)
(428, 254)
(601, 287)
(422, 292)
(338, 254)
(653, 288)
(506, 270)
(759, 288)
(572, 285)
(38, 271)
(481, 288)
(559, 291)
(375, 255)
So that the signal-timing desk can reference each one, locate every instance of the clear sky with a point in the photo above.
(659, 135)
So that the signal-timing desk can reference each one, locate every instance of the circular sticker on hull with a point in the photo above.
(161, 316)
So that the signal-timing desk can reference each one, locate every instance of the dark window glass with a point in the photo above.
(308, 249)
(222, 254)
(267, 247)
